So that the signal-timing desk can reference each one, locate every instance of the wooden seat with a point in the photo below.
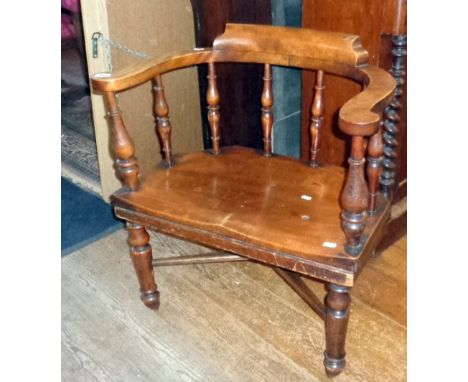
(299, 218)
(284, 210)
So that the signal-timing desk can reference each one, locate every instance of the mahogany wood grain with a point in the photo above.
(252, 218)
(354, 198)
(302, 42)
(359, 116)
(122, 145)
(316, 119)
(212, 98)
(232, 195)
(338, 272)
(163, 124)
(267, 110)
(336, 325)
(140, 250)
(374, 168)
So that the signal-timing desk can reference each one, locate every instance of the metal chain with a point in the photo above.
(108, 44)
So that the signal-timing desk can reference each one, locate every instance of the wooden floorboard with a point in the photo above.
(220, 322)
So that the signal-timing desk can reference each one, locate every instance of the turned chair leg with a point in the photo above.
(142, 258)
(336, 324)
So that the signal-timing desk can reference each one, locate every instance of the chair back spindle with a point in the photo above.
(374, 168)
(212, 98)
(316, 119)
(163, 124)
(122, 145)
(267, 110)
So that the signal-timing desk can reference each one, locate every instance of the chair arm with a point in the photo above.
(362, 113)
(141, 72)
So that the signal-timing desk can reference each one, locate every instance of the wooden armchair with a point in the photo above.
(300, 218)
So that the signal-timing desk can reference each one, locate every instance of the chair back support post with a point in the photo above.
(212, 98)
(267, 110)
(374, 168)
(354, 198)
(316, 118)
(122, 145)
(163, 124)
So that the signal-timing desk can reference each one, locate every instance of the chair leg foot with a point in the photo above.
(142, 258)
(333, 366)
(336, 324)
(150, 299)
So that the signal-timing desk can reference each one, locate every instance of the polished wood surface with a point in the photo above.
(319, 45)
(374, 168)
(246, 197)
(316, 119)
(212, 99)
(122, 146)
(267, 110)
(354, 198)
(142, 258)
(308, 220)
(163, 125)
(359, 116)
(336, 326)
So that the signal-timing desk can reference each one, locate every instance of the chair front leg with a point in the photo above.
(142, 258)
(336, 325)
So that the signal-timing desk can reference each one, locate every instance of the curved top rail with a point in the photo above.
(141, 72)
(300, 42)
(361, 114)
(336, 53)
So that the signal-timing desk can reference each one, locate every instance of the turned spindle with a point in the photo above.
(142, 259)
(316, 119)
(374, 168)
(163, 124)
(212, 98)
(122, 145)
(392, 117)
(336, 325)
(267, 110)
(354, 198)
